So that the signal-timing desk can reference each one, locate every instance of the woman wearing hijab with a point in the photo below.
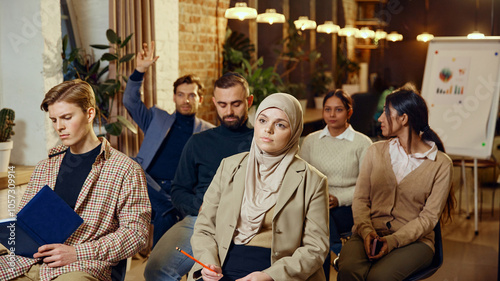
(265, 214)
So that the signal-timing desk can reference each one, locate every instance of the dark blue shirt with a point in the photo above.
(72, 174)
(167, 157)
(199, 162)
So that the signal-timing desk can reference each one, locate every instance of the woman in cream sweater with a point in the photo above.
(337, 151)
(402, 189)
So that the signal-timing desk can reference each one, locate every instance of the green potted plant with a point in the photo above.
(345, 68)
(320, 84)
(291, 59)
(298, 90)
(7, 117)
(236, 48)
(82, 66)
(262, 82)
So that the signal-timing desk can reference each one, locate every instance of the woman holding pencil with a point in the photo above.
(265, 214)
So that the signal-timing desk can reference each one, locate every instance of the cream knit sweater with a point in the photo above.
(338, 159)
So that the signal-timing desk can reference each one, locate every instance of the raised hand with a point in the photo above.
(145, 58)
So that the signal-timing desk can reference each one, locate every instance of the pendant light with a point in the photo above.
(394, 36)
(270, 17)
(240, 12)
(476, 34)
(380, 34)
(328, 27)
(348, 30)
(365, 33)
(304, 23)
(425, 37)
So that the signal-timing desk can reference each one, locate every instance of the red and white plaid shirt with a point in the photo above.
(114, 206)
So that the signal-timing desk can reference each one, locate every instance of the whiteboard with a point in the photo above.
(461, 88)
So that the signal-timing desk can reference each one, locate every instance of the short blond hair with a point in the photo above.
(75, 91)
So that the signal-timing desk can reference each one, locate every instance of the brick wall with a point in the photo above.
(202, 28)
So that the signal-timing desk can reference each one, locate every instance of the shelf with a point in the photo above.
(22, 176)
(372, 1)
(366, 47)
(371, 22)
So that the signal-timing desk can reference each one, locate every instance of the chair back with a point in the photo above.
(437, 260)
(118, 271)
(495, 153)
(364, 108)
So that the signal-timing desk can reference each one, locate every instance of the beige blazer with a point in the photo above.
(300, 223)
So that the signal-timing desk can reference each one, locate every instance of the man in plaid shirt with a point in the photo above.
(105, 187)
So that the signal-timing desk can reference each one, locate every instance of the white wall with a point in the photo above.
(91, 18)
(167, 47)
(30, 65)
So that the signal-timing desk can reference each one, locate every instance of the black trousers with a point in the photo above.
(242, 260)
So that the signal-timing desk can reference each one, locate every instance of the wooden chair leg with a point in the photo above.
(493, 203)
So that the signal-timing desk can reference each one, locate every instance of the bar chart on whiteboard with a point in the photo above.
(451, 79)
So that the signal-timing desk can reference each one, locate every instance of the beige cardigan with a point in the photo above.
(402, 213)
(300, 232)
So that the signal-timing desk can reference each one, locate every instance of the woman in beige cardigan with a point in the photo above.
(403, 187)
(265, 214)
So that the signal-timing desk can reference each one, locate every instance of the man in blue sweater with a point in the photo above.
(199, 162)
(164, 136)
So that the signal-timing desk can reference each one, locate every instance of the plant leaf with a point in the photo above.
(94, 68)
(65, 66)
(111, 35)
(110, 90)
(114, 128)
(109, 57)
(65, 43)
(100, 46)
(80, 68)
(104, 70)
(246, 64)
(126, 40)
(73, 54)
(127, 57)
(127, 124)
(260, 61)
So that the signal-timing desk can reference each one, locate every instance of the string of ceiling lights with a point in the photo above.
(242, 12)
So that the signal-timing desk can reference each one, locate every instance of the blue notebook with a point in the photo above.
(46, 219)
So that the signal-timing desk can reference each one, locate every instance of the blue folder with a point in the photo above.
(46, 219)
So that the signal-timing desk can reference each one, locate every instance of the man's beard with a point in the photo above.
(233, 125)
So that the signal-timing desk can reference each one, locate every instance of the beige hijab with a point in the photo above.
(265, 172)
